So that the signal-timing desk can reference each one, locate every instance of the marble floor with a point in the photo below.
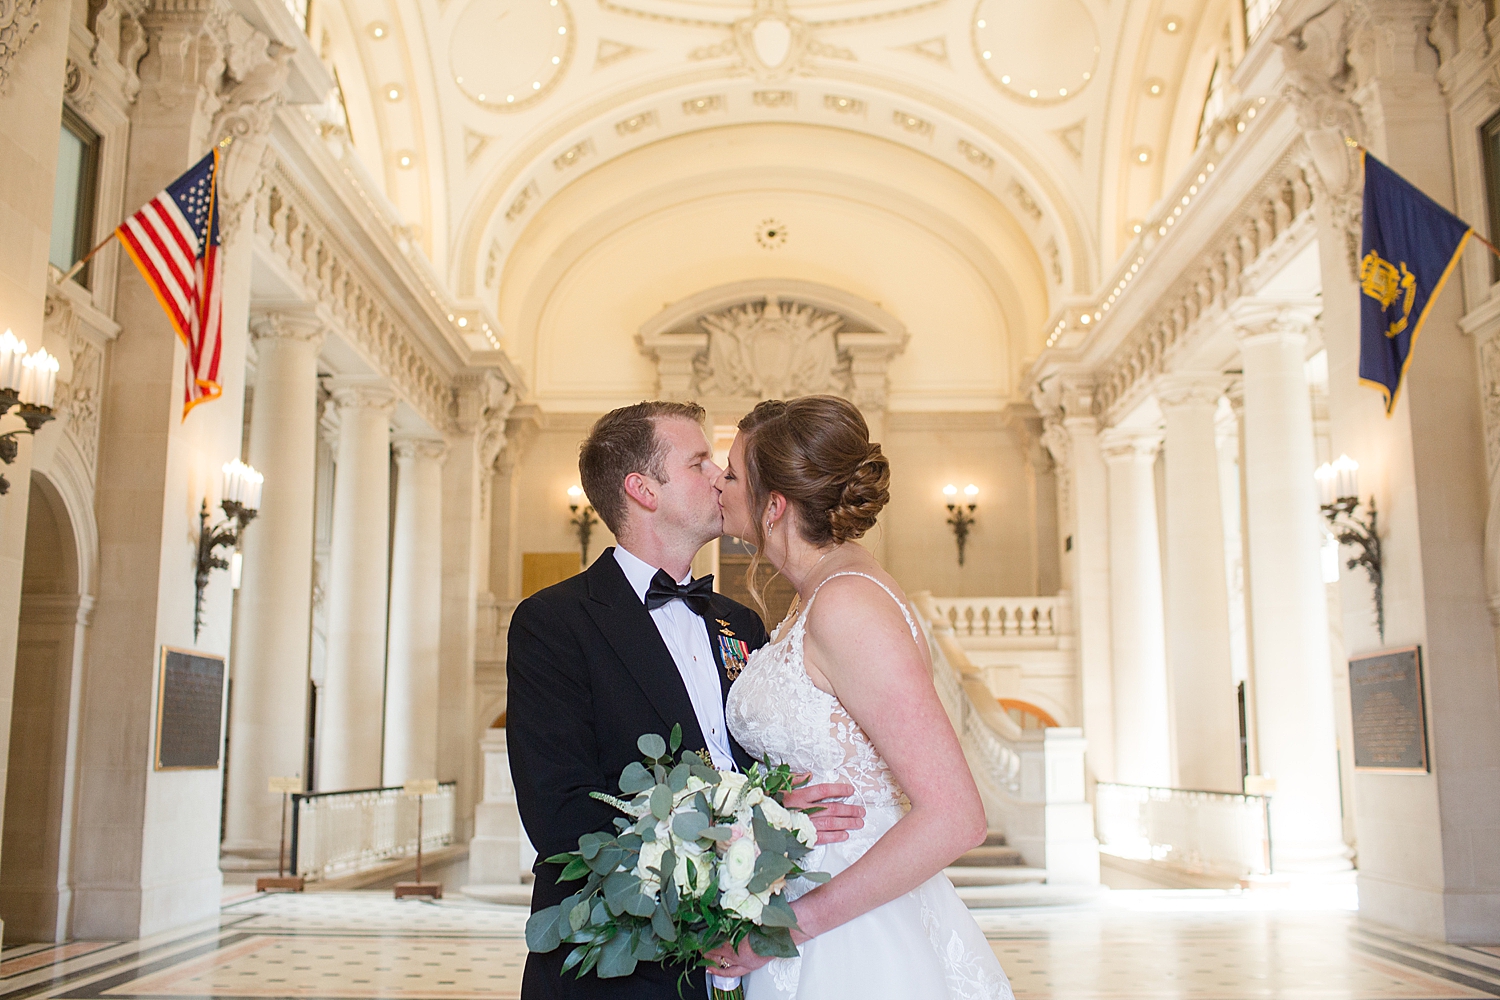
(1195, 945)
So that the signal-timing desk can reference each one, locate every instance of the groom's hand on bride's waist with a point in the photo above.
(834, 818)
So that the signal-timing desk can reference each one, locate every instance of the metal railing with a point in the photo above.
(1213, 832)
(335, 833)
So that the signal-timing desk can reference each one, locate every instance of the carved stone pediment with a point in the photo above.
(730, 348)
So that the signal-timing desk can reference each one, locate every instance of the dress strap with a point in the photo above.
(916, 633)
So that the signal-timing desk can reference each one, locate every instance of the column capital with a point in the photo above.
(1255, 319)
(410, 447)
(1190, 389)
(353, 392)
(289, 324)
(1121, 443)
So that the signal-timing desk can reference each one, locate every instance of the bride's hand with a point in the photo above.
(731, 962)
(834, 817)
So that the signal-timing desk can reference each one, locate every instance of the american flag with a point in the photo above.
(174, 240)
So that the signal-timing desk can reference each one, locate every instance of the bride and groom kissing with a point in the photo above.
(841, 692)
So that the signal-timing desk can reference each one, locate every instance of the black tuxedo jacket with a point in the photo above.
(588, 674)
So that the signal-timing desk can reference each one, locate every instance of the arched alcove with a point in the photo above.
(34, 879)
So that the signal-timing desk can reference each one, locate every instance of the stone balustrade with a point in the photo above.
(1005, 616)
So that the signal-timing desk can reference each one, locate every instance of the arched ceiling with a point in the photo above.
(475, 115)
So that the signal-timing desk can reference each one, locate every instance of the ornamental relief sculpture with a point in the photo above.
(771, 350)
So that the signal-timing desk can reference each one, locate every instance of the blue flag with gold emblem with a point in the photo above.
(1411, 244)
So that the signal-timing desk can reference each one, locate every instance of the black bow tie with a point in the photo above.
(695, 595)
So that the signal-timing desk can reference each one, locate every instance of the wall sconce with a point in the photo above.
(240, 503)
(1338, 496)
(583, 522)
(959, 519)
(29, 380)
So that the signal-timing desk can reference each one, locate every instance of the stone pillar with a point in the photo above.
(1084, 518)
(353, 690)
(1205, 713)
(1294, 699)
(1143, 744)
(268, 709)
(411, 683)
(495, 850)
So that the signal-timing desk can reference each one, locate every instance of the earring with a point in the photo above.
(770, 527)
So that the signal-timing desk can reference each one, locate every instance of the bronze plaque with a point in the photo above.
(189, 710)
(1390, 723)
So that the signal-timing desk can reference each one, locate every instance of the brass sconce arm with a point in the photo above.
(224, 535)
(583, 522)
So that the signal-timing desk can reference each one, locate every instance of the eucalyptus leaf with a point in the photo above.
(661, 923)
(676, 736)
(652, 745)
(639, 905)
(600, 914)
(590, 843)
(689, 826)
(616, 958)
(774, 943)
(630, 842)
(817, 878)
(661, 802)
(778, 913)
(618, 890)
(579, 915)
(677, 780)
(647, 948)
(542, 931)
(768, 868)
(719, 833)
(635, 778)
(608, 859)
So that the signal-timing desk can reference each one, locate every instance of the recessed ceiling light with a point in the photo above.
(981, 22)
(562, 31)
(393, 92)
(536, 85)
(378, 30)
(481, 97)
(987, 55)
(1062, 91)
(1005, 79)
(1032, 93)
(510, 98)
(1170, 25)
(1143, 155)
(405, 159)
(556, 60)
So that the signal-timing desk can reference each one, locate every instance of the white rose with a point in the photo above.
(695, 784)
(730, 783)
(702, 868)
(776, 814)
(651, 855)
(744, 903)
(749, 800)
(806, 832)
(739, 863)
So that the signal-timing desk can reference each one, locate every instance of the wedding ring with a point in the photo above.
(723, 963)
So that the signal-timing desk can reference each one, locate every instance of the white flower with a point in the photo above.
(776, 814)
(651, 855)
(739, 863)
(751, 798)
(806, 832)
(730, 783)
(746, 904)
(702, 868)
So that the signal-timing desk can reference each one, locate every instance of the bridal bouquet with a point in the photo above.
(700, 857)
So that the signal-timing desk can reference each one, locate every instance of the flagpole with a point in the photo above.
(223, 143)
(1355, 144)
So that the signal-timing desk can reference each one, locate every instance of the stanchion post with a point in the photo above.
(420, 789)
(282, 882)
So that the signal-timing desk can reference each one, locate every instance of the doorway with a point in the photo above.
(35, 890)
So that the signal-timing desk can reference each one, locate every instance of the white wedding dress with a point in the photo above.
(920, 946)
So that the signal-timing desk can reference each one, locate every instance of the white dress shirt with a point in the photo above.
(686, 637)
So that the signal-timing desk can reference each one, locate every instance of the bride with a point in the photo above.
(844, 691)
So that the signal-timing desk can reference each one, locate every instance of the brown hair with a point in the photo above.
(621, 442)
(816, 452)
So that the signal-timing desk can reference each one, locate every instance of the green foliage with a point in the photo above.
(615, 920)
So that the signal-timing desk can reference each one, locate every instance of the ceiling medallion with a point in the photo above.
(771, 234)
(508, 55)
(1035, 53)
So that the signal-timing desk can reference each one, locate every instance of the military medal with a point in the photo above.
(734, 653)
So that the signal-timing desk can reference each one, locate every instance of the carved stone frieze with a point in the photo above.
(772, 350)
(1258, 235)
(293, 230)
(18, 19)
(78, 397)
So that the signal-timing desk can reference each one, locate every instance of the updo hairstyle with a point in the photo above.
(816, 452)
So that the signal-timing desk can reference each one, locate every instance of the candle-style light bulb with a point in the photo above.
(1346, 481)
(574, 492)
(1325, 476)
(12, 353)
(971, 491)
(950, 490)
(253, 483)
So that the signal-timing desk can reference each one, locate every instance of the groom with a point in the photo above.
(631, 645)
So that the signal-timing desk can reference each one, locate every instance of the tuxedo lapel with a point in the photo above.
(628, 628)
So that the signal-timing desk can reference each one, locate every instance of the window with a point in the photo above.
(1489, 139)
(1257, 13)
(73, 197)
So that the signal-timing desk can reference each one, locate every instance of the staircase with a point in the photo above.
(994, 874)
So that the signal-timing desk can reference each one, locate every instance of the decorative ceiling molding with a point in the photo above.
(935, 49)
(610, 52)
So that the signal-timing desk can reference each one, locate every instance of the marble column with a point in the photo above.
(268, 708)
(353, 689)
(1205, 713)
(1142, 715)
(1086, 556)
(1294, 698)
(411, 683)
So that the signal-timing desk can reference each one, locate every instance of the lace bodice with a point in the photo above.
(778, 715)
